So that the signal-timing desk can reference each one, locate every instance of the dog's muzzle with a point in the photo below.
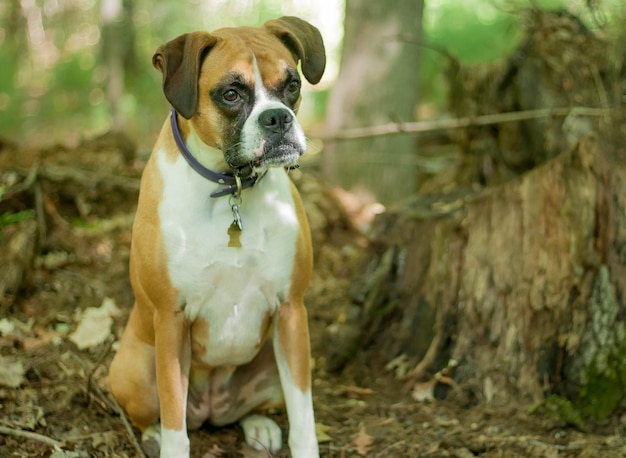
(277, 145)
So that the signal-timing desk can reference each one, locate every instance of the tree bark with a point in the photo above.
(521, 284)
(378, 83)
(118, 54)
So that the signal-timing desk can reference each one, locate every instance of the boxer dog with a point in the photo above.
(221, 249)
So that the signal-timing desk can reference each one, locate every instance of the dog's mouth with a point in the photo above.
(283, 155)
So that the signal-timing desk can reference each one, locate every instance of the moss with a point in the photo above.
(560, 409)
(605, 390)
(598, 368)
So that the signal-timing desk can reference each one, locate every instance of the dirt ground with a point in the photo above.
(53, 396)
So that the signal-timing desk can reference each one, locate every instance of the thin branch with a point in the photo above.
(41, 215)
(127, 425)
(86, 177)
(107, 399)
(26, 184)
(30, 435)
(105, 352)
(458, 123)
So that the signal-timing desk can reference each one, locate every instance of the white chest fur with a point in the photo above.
(233, 290)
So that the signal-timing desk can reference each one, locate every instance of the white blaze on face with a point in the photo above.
(252, 135)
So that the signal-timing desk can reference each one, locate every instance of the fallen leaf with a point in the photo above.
(489, 389)
(108, 439)
(362, 441)
(42, 337)
(6, 327)
(424, 392)
(95, 325)
(214, 452)
(320, 431)
(399, 365)
(11, 372)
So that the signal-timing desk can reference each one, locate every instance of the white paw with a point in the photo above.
(304, 448)
(174, 443)
(262, 433)
(304, 453)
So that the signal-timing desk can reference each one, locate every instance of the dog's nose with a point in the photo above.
(277, 120)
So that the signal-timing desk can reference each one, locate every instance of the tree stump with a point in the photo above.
(521, 284)
(559, 63)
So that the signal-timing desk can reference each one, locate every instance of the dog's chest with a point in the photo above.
(229, 293)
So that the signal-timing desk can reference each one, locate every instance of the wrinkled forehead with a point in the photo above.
(238, 50)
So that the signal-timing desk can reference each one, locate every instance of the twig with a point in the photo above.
(428, 358)
(539, 443)
(100, 360)
(108, 400)
(129, 428)
(31, 436)
(59, 173)
(267, 452)
(458, 123)
(30, 179)
(86, 177)
(87, 387)
(41, 216)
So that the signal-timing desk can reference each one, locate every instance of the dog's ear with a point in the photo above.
(179, 61)
(305, 43)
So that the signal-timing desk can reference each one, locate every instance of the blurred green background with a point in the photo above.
(58, 85)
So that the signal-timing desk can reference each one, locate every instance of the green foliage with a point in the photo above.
(48, 89)
(559, 409)
(8, 218)
(11, 97)
(472, 31)
(467, 32)
(488, 31)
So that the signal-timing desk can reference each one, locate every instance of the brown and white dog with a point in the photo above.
(221, 249)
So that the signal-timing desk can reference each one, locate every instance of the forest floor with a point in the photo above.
(58, 334)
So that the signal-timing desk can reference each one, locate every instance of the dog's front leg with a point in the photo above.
(292, 350)
(173, 356)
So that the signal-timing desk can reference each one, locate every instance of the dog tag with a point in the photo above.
(235, 228)
(234, 234)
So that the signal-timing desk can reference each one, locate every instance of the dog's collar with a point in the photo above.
(234, 183)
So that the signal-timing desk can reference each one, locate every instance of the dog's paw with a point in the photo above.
(300, 452)
(262, 433)
(151, 441)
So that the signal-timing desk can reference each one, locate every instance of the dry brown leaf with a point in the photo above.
(362, 441)
(215, 452)
(11, 372)
(424, 392)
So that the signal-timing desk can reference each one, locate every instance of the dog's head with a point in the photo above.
(240, 88)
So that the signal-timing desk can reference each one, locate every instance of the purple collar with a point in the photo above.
(234, 185)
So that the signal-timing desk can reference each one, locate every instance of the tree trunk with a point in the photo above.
(522, 285)
(118, 54)
(378, 83)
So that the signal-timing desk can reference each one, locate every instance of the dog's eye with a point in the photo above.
(231, 96)
(293, 86)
